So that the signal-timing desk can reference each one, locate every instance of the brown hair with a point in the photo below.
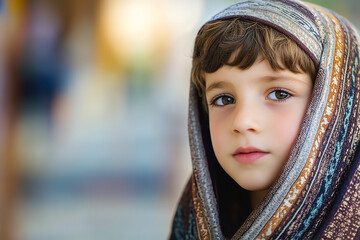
(239, 42)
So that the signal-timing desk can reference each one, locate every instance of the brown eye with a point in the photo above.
(223, 101)
(227, 100)
(279, 95)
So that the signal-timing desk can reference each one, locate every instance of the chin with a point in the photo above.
(254, 186)
(254, 189)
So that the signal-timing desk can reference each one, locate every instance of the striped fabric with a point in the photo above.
(317, 195)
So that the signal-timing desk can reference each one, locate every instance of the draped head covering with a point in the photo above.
(317, 195)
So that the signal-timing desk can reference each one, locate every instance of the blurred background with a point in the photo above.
(93, 114)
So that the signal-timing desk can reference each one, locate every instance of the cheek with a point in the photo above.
(217, 133)
(287, 126)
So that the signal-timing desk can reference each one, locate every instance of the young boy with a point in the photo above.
(255, 98)
(273, 125)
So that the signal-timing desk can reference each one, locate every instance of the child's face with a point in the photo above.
(255, 116)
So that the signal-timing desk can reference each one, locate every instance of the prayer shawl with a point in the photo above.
(317, 195)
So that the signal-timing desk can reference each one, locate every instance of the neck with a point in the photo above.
(256, 197)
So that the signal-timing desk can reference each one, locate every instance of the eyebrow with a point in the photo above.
(270, 78)
(215, 85)
(284, 78)
(223, 84)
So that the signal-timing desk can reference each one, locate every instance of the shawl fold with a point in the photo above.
(317, 195)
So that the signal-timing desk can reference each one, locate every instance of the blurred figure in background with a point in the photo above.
(34, 67)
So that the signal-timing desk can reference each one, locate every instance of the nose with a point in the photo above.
(247, 118)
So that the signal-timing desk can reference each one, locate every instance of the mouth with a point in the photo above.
(248, 154)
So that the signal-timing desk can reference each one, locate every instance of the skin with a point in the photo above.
(259, 108)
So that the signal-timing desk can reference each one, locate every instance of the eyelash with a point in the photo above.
(289, 95)
(216, 98)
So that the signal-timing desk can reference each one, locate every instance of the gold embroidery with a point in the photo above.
(200, 220)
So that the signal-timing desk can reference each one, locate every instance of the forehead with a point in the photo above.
(260, 73)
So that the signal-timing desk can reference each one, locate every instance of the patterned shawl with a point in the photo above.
(317, 195)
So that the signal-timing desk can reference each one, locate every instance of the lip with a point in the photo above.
(247, 155)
